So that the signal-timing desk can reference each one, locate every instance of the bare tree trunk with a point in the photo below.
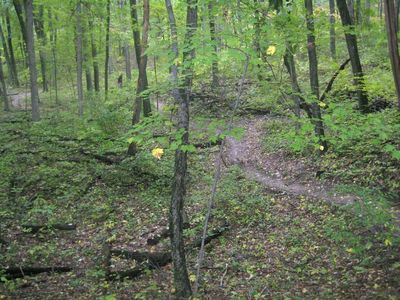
(79, 58)
(30, 42)
(107, 48)
(351, 41)
(214, 67)
(367, 12)
(332, 33)
(380, 9)
(136, 32)
(11, 48)
(350, 6)
(20, 15)
(39, 28)
(53, 42)
(390, 16)
(128, 67)
(313, 65)
(3, 87)
(358, 12)
(12, 75)
(181, 95)
(96, 72)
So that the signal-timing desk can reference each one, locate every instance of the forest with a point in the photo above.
(199, 149)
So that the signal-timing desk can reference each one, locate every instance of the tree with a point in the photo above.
(11, 48)
(214, 67)
(30, 42)
(11, 69)
(313, 66)
(3, 87)
(39, 28)
(96, 72)
(390, 17)
(79, 57)
(351, 41)
(107, 47)
(332, 33)
(181, 95)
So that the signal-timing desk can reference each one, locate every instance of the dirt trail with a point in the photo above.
(275, 171)
(19, 99)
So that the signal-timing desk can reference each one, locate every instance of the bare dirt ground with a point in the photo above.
(19, 99)
(276, 171)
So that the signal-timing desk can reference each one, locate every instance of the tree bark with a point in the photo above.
(214, 67)
(128, 67)
(350, 6)
(79, 57)
(332, 32)
(136, 32)
(3, 87)
(7, 56)
(181, 95)
(390, 16)
(351, 41)
(11, 48)
(367, 12)
(20, 15)
(314, 82)
(107, 48)
(96, 72)
(39, 28)
(30, 43)
(53, 42)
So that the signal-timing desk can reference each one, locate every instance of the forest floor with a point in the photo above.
(290, 234)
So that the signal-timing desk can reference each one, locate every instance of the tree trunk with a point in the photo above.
(128, 67)
(214, 67)
(141, 57)
(39, 28)
(79, 58)
(30, 43)
(96, 72)
(390, 16)
(7, 56)
(332, 33)
(367, 12)
(358, 12)
(136, 32)
(11, 49)
(351, 41)
(350, 6)
(181, 95)
(20, 16)
(313, 66)
(53, 42)
(3, 87)
(107, 48)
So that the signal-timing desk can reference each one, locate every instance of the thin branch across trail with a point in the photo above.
(217, 175)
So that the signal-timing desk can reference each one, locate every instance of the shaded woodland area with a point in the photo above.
(199, 149)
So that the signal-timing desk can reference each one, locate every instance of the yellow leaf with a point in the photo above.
(350, 250)
(388, 242)
(157, 152)
(192, 278)
(322, 104)
(321, 148)
(271, 50)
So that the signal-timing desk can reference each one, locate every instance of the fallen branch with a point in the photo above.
(105, 159)
(330, 83)
(153, 260)
(19, 272)
(36, 228)
(208, 144)
(155, 240)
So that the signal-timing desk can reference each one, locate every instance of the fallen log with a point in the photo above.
(153, 260)
(36, 228)
(155, 240)
(20, 272)
(208, 144)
